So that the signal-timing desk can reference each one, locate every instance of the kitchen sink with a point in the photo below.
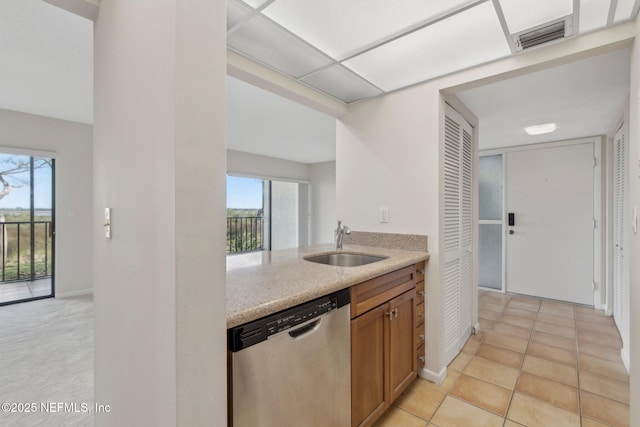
(345, 259)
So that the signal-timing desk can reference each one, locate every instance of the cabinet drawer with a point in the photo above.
(419, 313)
(420, 271)
(420, 357)
(420, 292)
(372, 293)
(419, 336)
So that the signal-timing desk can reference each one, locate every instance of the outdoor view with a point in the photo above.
(245, 214)
(26, 249)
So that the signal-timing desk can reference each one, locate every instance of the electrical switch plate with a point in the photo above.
(107, 223)
(384, 214)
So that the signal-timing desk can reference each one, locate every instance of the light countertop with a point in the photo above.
(265, 282)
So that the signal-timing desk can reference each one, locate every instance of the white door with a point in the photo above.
(458, 232)
(550, 246)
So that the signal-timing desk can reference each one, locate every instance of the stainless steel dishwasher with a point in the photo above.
(293, 368)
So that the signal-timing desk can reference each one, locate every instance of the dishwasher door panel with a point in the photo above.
(302, 381)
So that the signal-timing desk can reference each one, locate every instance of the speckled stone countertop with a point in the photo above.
(263, 283)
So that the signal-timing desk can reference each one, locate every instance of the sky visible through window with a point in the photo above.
(244, 193)
(19, 197)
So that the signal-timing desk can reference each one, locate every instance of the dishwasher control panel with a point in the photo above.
(259, 330)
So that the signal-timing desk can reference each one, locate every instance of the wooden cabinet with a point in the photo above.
(383, 343)
(420, 316)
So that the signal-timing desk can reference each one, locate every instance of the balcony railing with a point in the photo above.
(245, 234)
(25, 252)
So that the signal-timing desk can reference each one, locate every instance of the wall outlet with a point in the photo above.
(384, 215)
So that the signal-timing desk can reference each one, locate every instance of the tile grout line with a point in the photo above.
(524, 355)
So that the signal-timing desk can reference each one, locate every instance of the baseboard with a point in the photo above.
(434, 377)
(77, 293)
(624, 353)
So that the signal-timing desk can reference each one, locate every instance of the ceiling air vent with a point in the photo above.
(542, 34)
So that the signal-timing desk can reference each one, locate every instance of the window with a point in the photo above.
(266, 214)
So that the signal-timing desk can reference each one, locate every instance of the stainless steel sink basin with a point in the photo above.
(345, 259)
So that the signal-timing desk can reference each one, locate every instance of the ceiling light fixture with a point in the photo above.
(541, 129)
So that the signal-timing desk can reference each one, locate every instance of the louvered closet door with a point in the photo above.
(618, 228)
(458, 221)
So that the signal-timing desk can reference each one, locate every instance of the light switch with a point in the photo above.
(384, 214)
(107, 223)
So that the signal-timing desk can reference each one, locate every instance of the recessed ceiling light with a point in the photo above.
(540, 129)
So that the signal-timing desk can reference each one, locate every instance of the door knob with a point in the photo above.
(511, 232)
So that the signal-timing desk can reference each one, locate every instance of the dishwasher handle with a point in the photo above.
(305, 330)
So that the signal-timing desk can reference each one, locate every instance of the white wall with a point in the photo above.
(159, 163)
(241, 163)
(388, 154)
(634, 240)
(323, 202)
(72, 144)
(284, 215)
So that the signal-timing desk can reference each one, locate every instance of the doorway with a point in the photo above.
(27, 228)
(549, 199)
(537, 231)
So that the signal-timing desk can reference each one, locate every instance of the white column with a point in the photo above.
(159, 163)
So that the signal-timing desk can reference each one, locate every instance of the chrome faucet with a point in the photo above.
(340, 232)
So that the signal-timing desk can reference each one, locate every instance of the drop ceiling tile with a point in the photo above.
(236, 12)
(255, 3)
(623, 10)
(524, 14)
(469, 38)
(341, 28)
(342, 84)
(261, 39)
(593, 14)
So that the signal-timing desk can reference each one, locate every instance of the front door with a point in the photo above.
(550, 244)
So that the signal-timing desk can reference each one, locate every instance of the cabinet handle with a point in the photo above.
(421, 337)
(422, 359)
(421, 271)
(420, 315)
(421, 293)
(393, 313)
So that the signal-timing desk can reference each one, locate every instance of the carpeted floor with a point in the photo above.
(46, 362)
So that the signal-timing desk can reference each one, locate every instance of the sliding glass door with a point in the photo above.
(26, 228)
(265, 214)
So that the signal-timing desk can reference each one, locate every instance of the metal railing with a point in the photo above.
(245, 234)
(25, 250)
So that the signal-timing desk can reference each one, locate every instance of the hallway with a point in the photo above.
(534, 363)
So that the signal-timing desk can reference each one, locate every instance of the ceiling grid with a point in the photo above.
(358, 49)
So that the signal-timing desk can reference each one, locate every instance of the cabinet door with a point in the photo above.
(402, 349)
(369, 378)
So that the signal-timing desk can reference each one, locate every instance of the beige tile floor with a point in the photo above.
(534, 363)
